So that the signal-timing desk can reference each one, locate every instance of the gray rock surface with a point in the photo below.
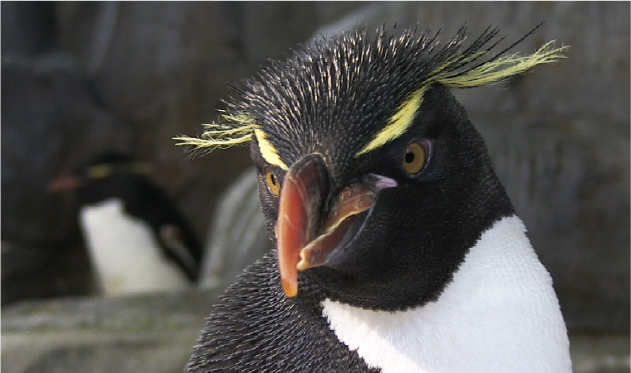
(156, 333)
(133, 75)
(238, 236)
(148, 333)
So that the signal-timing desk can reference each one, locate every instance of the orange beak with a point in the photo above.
(311, 221)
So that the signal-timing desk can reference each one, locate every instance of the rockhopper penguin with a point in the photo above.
(397, 247)
(137, 239)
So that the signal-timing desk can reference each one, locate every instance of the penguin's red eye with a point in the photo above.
(414, 159)
(271, 181)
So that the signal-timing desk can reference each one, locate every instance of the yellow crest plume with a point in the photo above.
(220, 136)
(495, 69)
(457, 72)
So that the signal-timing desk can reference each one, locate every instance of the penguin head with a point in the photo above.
(103, 177)
(372, 180)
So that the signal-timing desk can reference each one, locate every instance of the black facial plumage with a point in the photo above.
(356, 102)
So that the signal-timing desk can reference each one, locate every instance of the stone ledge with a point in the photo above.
(144, 333)
(140, 312)
(156, 333)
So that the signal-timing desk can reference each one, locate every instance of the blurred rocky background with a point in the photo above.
(80, 78)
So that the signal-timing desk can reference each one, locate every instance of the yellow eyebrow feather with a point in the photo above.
(268, 151)
(398, 123)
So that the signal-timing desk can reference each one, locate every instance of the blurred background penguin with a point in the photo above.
(137, 239)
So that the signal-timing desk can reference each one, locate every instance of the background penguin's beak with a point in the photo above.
(312, 222)
(63, 184)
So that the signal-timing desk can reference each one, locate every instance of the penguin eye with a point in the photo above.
(272, 182)
(414, 159)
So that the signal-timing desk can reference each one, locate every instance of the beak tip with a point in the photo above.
(290, 288)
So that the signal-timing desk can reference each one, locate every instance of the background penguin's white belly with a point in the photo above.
(125, 253)
(499, 314)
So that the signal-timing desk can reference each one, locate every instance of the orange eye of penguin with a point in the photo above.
(272, 182)
(414, 159)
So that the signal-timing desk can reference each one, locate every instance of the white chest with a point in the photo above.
(125, 252)
(499, 314)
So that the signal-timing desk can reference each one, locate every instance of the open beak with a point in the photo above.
(313, 222)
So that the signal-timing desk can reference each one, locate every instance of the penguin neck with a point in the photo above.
(500, 304)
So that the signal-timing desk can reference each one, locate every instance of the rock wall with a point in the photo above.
(79, 78)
